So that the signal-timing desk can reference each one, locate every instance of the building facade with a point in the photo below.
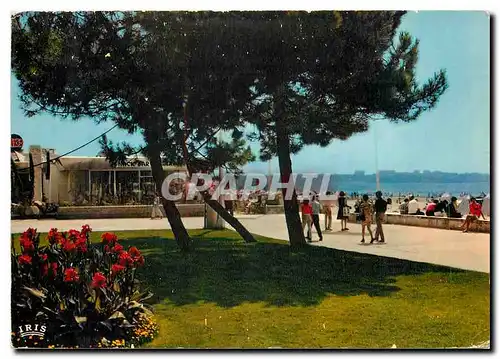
(80, 180)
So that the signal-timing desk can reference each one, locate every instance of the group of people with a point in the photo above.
(368, 210)
(440, 208)
(311, 211)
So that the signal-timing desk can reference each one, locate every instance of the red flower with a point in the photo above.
(118, 248)
(125, 259)
(25, 259)
(134, 252)
(45, 269)
(98, 281)
(53, 266)
(136, 256)
(43, 257)
(54, 237)
(30, 233)
(68, 245)
(73, 234)
(71, 275)
(109, 238)
(106, 248)
(116, 268)
(86, 229)
(81, 244)
(140, 261)
(26, 243)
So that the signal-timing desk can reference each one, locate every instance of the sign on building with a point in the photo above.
(16, 143)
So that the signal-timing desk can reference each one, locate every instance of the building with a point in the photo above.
(80, 180)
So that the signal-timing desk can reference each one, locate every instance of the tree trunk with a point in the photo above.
(221, 211)
(233, 222)
(174, 218)
(293, 222)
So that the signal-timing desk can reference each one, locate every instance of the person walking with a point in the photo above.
(343, 213)
(156, 211)
(307, 218)
(316, 210)
(366, 213)
(380, 209)
(327, 208)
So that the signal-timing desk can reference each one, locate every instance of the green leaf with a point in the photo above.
(35, 292)
(117, 315)
(80, 320)
(116, 287)
(98, 303)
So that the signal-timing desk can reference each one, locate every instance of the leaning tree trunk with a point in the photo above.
(293, 223)
(174, 218)
(221, 211)
(233, 222)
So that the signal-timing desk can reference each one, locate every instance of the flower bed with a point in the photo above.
(74, 294)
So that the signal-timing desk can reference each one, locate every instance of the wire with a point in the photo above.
(76, 149)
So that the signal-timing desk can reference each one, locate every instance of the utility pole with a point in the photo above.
(269, 174)
(377, 172)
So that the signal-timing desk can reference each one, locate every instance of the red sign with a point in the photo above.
(16, 142)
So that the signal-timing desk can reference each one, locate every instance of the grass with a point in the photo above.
(229, 294)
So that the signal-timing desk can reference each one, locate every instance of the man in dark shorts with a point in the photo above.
(380, 208)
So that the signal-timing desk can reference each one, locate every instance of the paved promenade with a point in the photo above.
(445, 247)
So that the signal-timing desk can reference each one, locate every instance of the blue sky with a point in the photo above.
(454, 137)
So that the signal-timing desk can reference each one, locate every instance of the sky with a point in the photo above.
(453, 137)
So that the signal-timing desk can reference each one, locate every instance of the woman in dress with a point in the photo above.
(327, 206)
(366, 213)
(156, 212)
(343, 211)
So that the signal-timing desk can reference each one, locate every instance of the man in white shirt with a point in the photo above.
(413, 207)
(316, 210)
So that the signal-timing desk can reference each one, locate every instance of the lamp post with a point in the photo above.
(184, 147)
(377, 173)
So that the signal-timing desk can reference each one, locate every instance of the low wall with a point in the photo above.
(275, 209)
(431, 222)
(87, 212)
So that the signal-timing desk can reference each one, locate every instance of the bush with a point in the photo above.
(86, 295)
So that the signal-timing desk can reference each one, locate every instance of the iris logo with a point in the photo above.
(32, 330)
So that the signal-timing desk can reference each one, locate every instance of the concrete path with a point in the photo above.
(430, 245)
(438, 246)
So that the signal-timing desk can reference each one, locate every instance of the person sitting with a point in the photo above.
(440, 210)
(403, 207)
(431, 208)
(475, 212)
(413, 207)
(452, 209)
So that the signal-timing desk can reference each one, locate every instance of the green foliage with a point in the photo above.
(135, 69)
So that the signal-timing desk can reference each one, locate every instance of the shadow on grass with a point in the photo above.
(228, 272)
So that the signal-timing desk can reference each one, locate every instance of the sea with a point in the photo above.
(394, 188)
(415, 188)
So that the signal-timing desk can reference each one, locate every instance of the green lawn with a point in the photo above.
(229, 294)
